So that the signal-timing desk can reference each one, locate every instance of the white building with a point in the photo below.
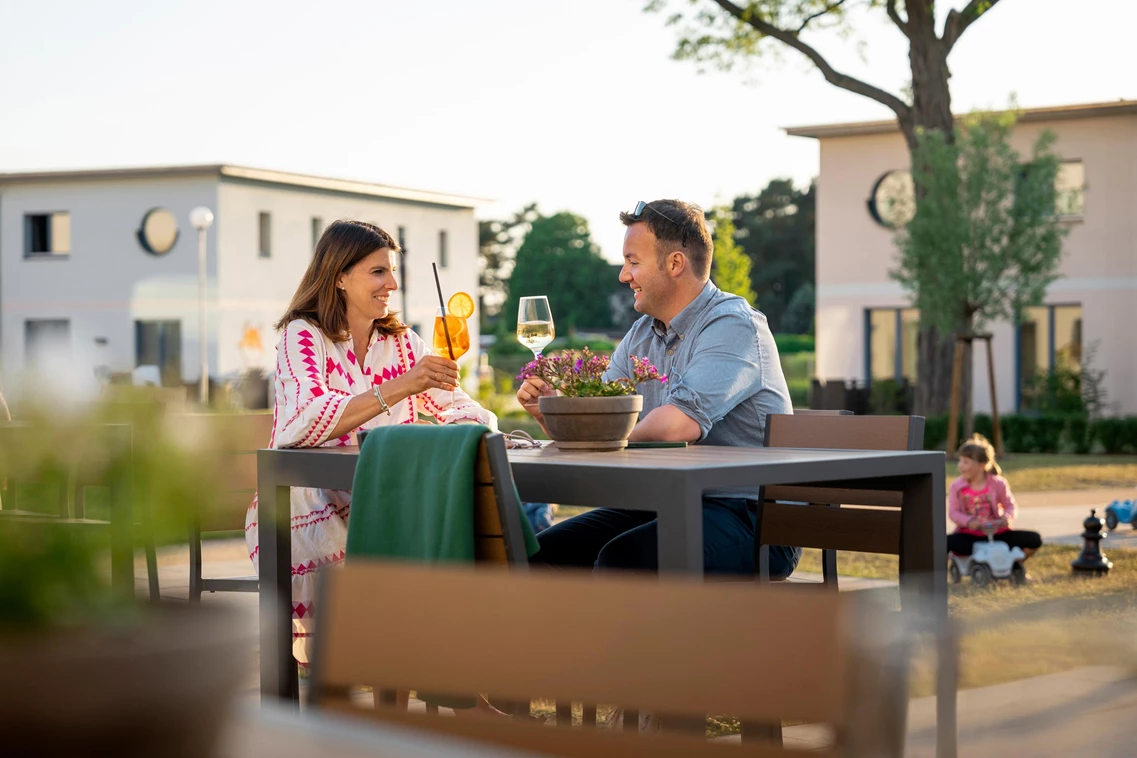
(79, 273)
(865, 327)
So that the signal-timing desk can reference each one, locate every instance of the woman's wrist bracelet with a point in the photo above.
(383, 407)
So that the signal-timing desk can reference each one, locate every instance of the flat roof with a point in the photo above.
(1028, 115)
(228, 171)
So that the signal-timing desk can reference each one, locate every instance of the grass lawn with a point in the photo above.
(1038, 472)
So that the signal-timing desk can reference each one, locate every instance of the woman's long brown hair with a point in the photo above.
(317, 300)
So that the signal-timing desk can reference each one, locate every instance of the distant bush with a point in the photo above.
(788, 344)
(1045, 433)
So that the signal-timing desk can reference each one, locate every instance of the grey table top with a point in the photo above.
(278, 731)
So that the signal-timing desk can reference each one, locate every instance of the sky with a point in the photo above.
(575, 105)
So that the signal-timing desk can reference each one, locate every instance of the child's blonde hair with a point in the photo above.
(980, 450)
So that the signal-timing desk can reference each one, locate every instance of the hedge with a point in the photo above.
(788, 344)
(1045, 433)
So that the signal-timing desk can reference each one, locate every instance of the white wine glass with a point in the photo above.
(535, 323)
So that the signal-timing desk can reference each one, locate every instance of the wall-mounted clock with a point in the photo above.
(158, 232)
(892, 203)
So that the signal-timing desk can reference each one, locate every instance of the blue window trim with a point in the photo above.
(1051, 347)
(898, 350)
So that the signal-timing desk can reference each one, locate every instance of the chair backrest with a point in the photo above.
(675, 647)
(237, 436)
(864, 530)
(498, 536)
(812, 412)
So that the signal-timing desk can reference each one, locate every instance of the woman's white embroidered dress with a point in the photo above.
(315, 378)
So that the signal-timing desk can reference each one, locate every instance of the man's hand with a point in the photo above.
(528, 394)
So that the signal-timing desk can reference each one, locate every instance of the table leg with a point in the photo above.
(279, 678)
(680, 533)
(923, 579)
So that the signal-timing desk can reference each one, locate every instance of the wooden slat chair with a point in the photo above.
(661, 645)
(784, 520)
(238, 436)
(87, 468)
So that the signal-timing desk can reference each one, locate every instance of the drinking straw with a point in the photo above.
(442, 305)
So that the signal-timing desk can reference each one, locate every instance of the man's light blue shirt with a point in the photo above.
(721, 363)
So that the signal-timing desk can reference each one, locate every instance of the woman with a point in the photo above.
(346, 363)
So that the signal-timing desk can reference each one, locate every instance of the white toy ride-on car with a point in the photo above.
(989, 561)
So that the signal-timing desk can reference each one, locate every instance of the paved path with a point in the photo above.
(1082, 712)
(1058, 515)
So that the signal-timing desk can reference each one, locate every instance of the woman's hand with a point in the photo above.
(974, 524)
(432, 372)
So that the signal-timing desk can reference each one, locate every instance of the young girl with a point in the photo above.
(981, 496)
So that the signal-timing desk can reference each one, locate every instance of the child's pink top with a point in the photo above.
(989, 503)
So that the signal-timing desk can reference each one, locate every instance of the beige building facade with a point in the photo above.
(866, 330)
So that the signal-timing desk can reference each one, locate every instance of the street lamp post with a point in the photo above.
(202, 218)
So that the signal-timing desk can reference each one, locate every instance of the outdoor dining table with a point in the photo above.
(667, 481)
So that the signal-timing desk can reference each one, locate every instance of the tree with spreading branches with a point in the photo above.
(725, 33)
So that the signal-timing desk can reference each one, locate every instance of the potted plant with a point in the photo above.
(91, 670)
(589, 412)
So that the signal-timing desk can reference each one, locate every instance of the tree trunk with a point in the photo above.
(931, 111)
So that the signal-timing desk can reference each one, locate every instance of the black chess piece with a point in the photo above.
(1092, 560)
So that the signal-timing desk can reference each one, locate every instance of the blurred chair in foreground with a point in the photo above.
(679, 648)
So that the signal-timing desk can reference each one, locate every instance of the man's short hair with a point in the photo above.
(677, 226)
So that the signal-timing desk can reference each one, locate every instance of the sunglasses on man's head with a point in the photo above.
(641, 206)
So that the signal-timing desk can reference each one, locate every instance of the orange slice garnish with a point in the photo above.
(461, 305)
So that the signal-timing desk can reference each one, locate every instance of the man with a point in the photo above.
(723, 378)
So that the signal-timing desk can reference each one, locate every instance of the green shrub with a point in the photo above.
(788, 344)
(1116, 435)
(1045, 433)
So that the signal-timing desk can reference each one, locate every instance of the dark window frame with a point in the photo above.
(264, 234)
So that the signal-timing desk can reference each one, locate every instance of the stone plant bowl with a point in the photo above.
(591, 423)
(159, 687)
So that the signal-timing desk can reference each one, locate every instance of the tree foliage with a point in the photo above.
(730, 268)
(986, 239)
(558, 258)
(776, 229)
(724, 33)
(497, 246)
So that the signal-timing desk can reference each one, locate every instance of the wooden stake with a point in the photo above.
(956, 389)
(998, 425)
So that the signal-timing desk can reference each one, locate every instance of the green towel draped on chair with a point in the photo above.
(413, 499)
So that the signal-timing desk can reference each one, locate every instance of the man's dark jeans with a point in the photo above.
(606, 538)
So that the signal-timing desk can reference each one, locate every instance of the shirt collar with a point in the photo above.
(686, 317)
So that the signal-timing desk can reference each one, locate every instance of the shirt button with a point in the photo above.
(680, 336)
(671, 352)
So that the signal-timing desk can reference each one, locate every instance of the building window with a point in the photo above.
(1049, 340)
(264, 235)
(890, 343)
(443, 250)
(47, 234)
(1069, 189)
(317, 230)
(159, 343)
(44, 339)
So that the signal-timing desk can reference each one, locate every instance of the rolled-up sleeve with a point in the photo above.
(727, 371)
